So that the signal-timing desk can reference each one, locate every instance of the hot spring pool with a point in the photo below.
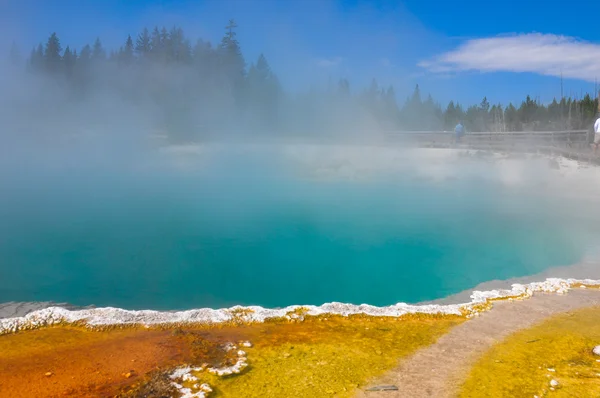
(239, 233)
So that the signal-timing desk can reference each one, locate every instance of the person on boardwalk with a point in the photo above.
(596, 134)
(459, 131)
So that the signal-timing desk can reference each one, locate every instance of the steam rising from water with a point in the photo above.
(275, 225)
(98, 208)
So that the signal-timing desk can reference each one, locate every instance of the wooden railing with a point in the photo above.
(572, 144)
(569, 139)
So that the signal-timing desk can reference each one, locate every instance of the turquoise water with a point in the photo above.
(243, 234)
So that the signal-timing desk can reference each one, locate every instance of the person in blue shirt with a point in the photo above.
(459, 131)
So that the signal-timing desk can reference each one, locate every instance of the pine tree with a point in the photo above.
(86, 54)
(230, 53)
(205, 61)
(416, 97)
(485, 105)
(496, 119)
(126, 55)
(511, 116)
(98, 52)
(69, 62)
(52, 57)
(479, 117)
(82, 70)
(36, 59)
(390, 99)
(179, 49)
(39, 57)
(527, 112)
(143, 43)
(156, 44)
(412, 111)
(262, 93)
(431, 115)
(554, 112)
(263, 69)
(164, 38)
(451, 117)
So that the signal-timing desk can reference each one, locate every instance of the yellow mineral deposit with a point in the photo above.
(318, 358)
(556, 356)
(298, 354)
(314, 357)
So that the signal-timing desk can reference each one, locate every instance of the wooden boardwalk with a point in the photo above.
(573, 144)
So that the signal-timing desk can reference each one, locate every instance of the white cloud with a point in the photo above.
(328, 62)
(545, 54)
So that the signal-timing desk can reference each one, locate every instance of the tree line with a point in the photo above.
(530, 115)
(196, 89)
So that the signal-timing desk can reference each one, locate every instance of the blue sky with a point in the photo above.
(460, 50)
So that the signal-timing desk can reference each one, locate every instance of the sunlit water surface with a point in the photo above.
(240, 232)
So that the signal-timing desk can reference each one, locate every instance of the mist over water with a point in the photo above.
(172, 173)
(247, 225)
